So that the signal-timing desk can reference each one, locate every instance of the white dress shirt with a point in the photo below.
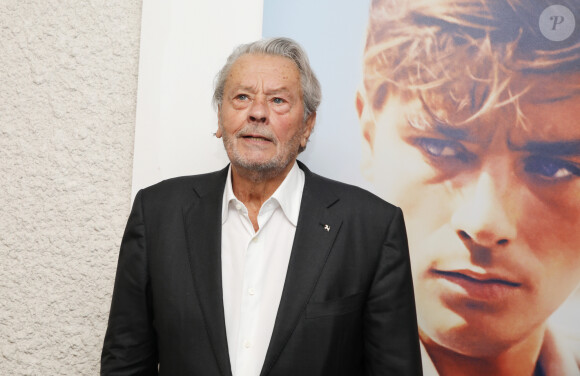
(254, 266)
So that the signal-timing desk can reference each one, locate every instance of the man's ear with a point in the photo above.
(309, 126)
(219, 133)
(367, 124)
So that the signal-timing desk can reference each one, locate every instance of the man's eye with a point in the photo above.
(444, 149)
(550, 168)
(241, 97)
(278, 100)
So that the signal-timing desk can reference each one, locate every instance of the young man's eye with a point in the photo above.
(552, 169)
(444, 149)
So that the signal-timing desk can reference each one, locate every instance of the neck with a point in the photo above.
(519, 359)
(253, 188)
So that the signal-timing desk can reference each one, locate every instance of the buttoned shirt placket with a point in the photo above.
(253, 281)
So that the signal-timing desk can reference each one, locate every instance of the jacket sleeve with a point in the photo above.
(130, 345)
(390, 324)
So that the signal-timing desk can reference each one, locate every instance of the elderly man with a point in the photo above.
(263, 268)
(479, 103)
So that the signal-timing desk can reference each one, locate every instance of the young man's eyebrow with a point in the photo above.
(457, 132)
(450, 131)
(557, 149)
(438, 126)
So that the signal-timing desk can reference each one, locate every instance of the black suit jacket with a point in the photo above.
(347, 306)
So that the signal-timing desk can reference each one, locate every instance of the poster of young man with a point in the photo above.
(469, 122)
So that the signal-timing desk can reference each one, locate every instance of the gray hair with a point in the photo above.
(285, 47)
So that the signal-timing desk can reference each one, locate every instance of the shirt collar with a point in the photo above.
(288, 195)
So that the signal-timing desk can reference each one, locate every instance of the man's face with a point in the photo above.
(492, 212)
(261, 117)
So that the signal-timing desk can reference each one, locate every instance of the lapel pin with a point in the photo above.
(327, 228)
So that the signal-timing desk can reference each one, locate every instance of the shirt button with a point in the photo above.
(238, 206)
(255, 239)
(247, 344)
(251, 291)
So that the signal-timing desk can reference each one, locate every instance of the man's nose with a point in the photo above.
(487, 213)
(258, 112)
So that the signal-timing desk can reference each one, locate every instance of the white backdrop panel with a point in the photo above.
(183, 45)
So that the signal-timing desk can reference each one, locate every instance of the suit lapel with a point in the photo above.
(315, 233)
(203, 228)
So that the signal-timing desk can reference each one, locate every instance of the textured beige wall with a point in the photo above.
(68, 84)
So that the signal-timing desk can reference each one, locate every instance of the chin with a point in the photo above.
(468, 341)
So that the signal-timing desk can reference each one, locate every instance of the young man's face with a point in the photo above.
(492, 212)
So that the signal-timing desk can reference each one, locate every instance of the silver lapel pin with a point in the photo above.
(327, 227)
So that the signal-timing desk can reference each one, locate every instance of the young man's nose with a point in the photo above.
(486, 215)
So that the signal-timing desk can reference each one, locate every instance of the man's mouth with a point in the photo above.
(477, 286)
(477, 278)
(256, 137)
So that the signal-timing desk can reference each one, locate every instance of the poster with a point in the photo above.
(464, 114)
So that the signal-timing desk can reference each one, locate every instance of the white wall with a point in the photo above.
(68, 84)
(183, 46)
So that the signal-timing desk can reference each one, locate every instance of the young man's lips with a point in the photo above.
(481, 287)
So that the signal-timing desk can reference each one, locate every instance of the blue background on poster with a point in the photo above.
(333, 35)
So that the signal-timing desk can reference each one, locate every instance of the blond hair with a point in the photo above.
(480, 54)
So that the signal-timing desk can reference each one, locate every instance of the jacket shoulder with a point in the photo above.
(351, 195)
(175, 190)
